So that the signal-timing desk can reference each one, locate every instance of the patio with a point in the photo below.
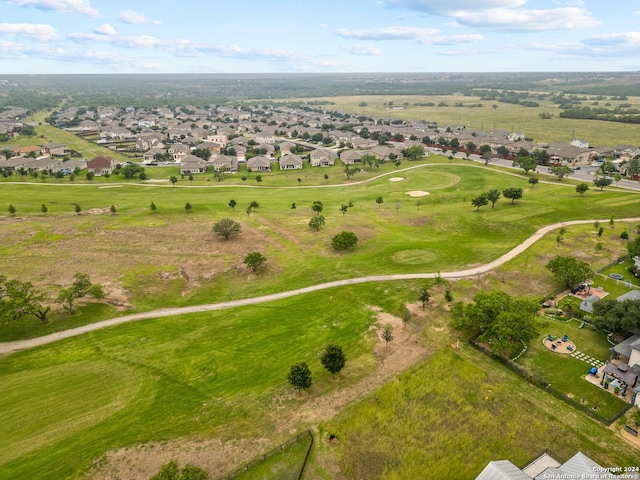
(610, 371)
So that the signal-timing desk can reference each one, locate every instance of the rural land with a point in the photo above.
(319, 276)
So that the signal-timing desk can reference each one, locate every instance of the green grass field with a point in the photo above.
(221, 373)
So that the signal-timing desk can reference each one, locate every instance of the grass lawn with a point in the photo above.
(456, 412)
(284, 465)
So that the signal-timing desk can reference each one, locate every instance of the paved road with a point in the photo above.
(10, 347)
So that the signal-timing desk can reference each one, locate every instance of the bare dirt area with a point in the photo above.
(93, 243)
(218, 457)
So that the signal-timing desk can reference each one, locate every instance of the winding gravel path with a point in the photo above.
(10, 347)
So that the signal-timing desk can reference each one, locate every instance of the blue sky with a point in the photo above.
(262, 36)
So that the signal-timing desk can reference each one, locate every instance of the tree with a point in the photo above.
(153, 207)
(602, 182)
(493, 196)
(633, 168)
(581, 188)
(113, 209)
(254, 260)
(188, 207)
(349, 171)
(317, 207)
(514, 193)
(18, 299)
(300, 376)
(533, 181)
(379, 201)
(424, 296)
(501, 322)
(344, 209)
(502, 151)
(333, 358)
(253, 205)
(170, 471)
(560, 171)
(634, 247)
(203, 153)
(316, 222)
(90, 176)
(81, 287)
(480, 201)
(226, 227)
(232, 204)
(344, 241)
(44, 209)
(618, 317)
(470, 147)
(78, 208)
(526, 163)
(259, 178)
(173, 179)
(414, 153)
(293, 207)
(387, 334)
(12, 210)
(569, 270)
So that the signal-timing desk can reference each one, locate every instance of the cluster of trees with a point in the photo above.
(171, 471)
(493, 195)
(21, 299)
(333, 359)
(503, 323)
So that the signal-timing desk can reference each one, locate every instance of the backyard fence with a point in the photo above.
(256, 461)
(541, 383)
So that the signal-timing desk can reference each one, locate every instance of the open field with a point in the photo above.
(221, 375)
(506, 116)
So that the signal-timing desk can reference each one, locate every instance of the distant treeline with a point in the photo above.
(172, 90)
(630, 115)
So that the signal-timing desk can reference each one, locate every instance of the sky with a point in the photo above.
(294, 36)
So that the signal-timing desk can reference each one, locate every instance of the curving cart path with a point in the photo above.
(10, 347)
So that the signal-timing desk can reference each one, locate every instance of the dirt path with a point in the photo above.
(10, 347)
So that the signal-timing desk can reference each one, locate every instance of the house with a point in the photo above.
(543, 467)
(51, 149)
(43, 163)
(290, 162)
(178, 151)
(259, 164)
(351, 157)
(285, 147)
(192, 164)
(321, 157)
(150, 155)
(101, 166)
(364, 143)
(224, 163)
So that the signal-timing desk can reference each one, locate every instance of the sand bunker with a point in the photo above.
(396, 179)
(417, 193)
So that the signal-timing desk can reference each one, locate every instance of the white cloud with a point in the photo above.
(121, 41)
(362, 49)
(82, 7)
(105, 29)
(136, 18)
(505, 15)
(528, 20)
(39, 31)
(389, 33)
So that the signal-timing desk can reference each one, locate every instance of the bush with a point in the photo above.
(344, 241)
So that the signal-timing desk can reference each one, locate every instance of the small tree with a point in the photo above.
(293, 207)
(424, 296)
(514, 193)
(561, 171)
(113, 209)
(480, 201)
(188, 207)
(253, 205)
(344, 209)
(493, 196)
(317, 207)
(379, 201)
(81, 287)
(259, 178)
(602, 182)
(387, 334)
(90, 176)
(581, 188)
(316, 222)
(300, 376)
(333, 358)
(526, 163)
(232, 204)
(173, 179)
(344, 241)
(254, 260)
(153, 207)
(533, 181)
(226, 227)
(78, 208)
(44, 209)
